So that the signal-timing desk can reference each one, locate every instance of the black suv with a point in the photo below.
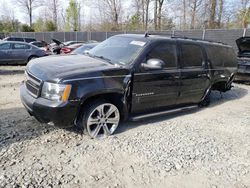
(126, 77)
(20, 39)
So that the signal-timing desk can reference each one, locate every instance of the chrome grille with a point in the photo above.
(33, 84)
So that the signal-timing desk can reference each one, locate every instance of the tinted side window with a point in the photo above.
(230, 59)
(5, 46)
(214, 55)
(221, 56)
(165, 52)
(20, 46)
(192, 55)
(16, 39)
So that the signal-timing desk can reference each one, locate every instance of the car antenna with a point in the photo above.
(146, 34)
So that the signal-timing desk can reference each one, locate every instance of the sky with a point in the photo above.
(5, 5)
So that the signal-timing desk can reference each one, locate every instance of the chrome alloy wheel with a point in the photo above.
(103, 120)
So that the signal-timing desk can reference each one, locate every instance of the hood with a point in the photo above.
(57, 68)
(243, 44)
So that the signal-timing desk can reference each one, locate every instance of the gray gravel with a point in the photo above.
(207, 147)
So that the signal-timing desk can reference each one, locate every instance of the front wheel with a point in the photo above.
(100, 119)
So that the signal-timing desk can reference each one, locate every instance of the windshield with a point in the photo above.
(83, 49)
(120, 50)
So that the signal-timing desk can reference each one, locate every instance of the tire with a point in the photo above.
(206, 101)
(32, 57)
(100, 118)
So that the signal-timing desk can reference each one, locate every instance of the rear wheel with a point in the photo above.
(100, 119)
(32, 57)
(206, 100)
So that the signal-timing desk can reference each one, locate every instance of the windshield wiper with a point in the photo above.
(101, 57)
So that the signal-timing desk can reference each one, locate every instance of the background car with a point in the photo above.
(42, 45)
(84, 48)
(18, 52)
(243, 73)
(70, 48)
(21, 39)
(57, 45)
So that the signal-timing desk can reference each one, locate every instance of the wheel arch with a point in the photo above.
(114, 97)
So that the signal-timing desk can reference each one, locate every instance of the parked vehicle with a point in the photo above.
(84, 48)
(243, 44)
(56, 47)
(20, 39)
(41, 45)
(18, 52)
(70, 48)
(126, 77)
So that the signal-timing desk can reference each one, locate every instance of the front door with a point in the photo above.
(154, 89)
(5, 56)
(20, 52)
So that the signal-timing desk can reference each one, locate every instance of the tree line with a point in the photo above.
(130, 15)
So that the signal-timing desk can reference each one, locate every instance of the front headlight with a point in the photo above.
(56, 92)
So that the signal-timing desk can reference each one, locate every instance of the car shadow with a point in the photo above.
(216, 98)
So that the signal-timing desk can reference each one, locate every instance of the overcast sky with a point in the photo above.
(8, 6)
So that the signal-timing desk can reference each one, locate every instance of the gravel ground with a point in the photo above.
(207, 147)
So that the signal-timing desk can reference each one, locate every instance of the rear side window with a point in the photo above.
(215, 56)
(20, 46)
(16, 39)
(5, 46)
(165, 52)
(192, 55)
(221, 56)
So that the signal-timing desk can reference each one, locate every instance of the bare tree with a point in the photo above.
(110, 12)
(245, 13)
(142, 9)
(155, 14)
(194, 7)
(160, 5)
(29, 6)
(221, 8)
(212, 16)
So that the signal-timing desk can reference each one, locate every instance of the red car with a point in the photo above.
(70, 48)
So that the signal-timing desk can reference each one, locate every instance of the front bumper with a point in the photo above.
(62, 114)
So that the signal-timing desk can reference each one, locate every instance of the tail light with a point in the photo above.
(65, 50)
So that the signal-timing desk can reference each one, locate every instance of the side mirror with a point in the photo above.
(153, 64)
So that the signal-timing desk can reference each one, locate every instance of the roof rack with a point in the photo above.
(196, 39)
(185, 37)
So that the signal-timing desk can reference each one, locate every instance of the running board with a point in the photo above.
(140, 117)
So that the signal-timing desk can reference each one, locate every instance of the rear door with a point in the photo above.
(20, 52)
(194, 79)
(5, 57)
(153, 89)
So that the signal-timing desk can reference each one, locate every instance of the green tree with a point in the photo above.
(50, 25)
(26, 28)
(8, 25)
(134, 23)
(39, 25)
(72, 16)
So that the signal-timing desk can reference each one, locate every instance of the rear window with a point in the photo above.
(28, 40)
(192, 55)
(15, 39)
